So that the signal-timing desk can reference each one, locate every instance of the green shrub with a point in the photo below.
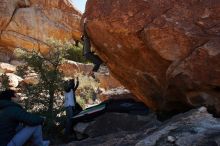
(86, 90)
(76, 54)
(4, 82)
(45, 97)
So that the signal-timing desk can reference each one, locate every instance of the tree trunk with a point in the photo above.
(50, 107)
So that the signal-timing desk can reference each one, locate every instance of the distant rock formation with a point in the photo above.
(166, 52)
(29, 23)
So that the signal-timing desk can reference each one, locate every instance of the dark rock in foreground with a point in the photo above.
(194, 128)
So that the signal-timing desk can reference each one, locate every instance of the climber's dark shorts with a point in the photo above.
(94, 59)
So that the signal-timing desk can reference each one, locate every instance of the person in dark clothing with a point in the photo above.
(73, 86)
(95, 59)
(70, 104)
(77, 43)
(11, 115)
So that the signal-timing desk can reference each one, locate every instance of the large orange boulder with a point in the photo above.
(166, 52)
(30, 23)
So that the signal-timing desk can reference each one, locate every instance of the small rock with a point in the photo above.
(171, 139)
(8, 68)
(13, 79)
(17, 62)
(202, 109)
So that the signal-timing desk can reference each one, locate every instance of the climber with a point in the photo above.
(77, 43)
(16, 125)
(88, 53)
(71, 106)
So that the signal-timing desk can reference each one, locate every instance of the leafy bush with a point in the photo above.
(45, 97)
(4, 82)
(76, 54)
(86, 90)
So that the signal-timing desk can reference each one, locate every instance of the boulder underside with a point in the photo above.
(166, 52)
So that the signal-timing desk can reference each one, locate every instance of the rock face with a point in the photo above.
(194, 128)
(107, 81)
(71, 68)
(13, 79)
(116, 122)
(166, 52)
(116, 93)
(30, 23)
(7, 68)
(117, 129)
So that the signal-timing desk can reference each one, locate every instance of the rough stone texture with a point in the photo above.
(116, 122)
(17, 62)
(31, 78)
(71, 68)
(5, 55)
(7, 68)
(166, 52)
(194, 128)
(116, 93)
(29, 23)
(107, 81)
(122, 138)
(14, 80)
(118, 129)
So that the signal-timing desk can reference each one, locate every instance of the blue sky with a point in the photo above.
(80, 4)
